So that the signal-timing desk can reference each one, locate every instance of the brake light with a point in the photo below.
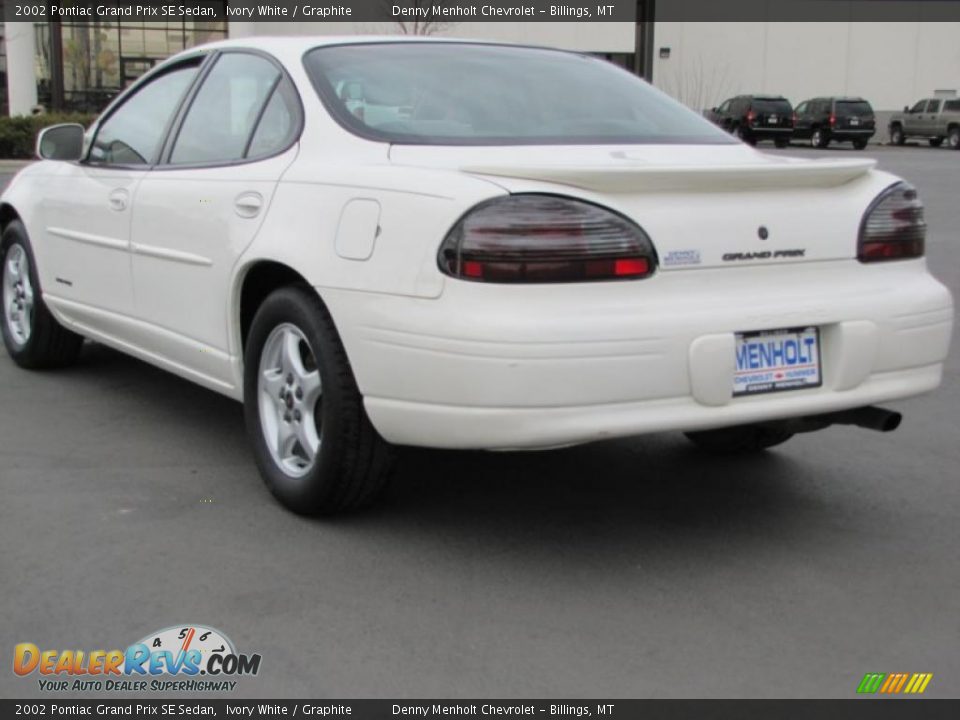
(833, 119)
(794, 118)
(751, 116)
(530, 238)
(893, 227)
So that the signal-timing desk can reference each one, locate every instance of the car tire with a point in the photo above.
(896, 135)
(935, 142)
(819, 139)
(953, 139)
(323, 456)
(859, 144)
(739, 439)
(781, 142)
(745, 135)
(33, 337)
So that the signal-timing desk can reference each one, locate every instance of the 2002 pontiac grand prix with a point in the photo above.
(464, 245)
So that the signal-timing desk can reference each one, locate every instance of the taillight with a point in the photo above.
(833, 120)
(531, 238)
(893, 227)
(794, 118)
(751, 116)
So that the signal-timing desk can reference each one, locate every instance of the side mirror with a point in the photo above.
(713, 110)
(61, 142)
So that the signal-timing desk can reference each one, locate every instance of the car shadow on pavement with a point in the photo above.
(606, 495)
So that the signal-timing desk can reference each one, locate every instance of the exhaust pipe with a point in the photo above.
(871, 418)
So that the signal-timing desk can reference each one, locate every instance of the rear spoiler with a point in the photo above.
(706, 178)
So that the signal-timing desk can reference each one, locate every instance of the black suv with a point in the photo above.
(753, 118)
(835, 119)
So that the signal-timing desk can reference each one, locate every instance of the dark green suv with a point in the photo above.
(835, 119)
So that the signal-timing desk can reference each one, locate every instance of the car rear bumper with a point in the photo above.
(502, 367)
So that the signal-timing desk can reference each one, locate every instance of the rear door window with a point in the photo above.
(226, 110)
(774, 107)
(850, 108)
(951, 106)
(933, 106)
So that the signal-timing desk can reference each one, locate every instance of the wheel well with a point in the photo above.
(261, 280)
(952, 126)
(7, 215)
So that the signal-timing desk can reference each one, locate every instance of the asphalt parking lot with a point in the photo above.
(633, 568)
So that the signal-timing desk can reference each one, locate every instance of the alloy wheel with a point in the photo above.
(290, 398)
(18, 297)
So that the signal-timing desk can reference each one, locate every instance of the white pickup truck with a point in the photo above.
(936, 119)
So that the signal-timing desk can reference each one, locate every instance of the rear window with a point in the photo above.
(847, 108)
(771, 106)
(441, 93)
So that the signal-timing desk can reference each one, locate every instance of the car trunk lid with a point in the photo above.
(714, 206)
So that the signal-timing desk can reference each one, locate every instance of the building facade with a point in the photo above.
(82, 65)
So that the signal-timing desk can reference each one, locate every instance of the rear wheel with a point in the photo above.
(819, 139)
(896, 135)
(860, 144)
(953, 138)
(746, 136)
(739, 439)
(315, 447)
(31, 334)
(935, 142)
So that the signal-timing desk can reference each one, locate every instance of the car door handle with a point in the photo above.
(118, 199)
(248, 204)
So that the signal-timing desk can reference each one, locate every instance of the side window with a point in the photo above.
(801, 109)
(725, 108)
(933, 106)
(951, 106)
(225, 111)
(918, 108)
(133, 132)
(278, 123)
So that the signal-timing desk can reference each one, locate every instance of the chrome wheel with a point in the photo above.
(290, 395)
(18, 295)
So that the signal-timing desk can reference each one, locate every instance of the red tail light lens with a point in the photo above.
(545, 239)
(751, 116)
(894, 227)
(833, 120)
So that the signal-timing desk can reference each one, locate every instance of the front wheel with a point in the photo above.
(312, 440)
(739, 439)
(819, 139)
(896, 135)
(32, 336)
(954, 138)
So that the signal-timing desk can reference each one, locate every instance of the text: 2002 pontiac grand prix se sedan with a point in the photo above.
(464, 245)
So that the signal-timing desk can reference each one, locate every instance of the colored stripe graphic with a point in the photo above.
(895, 683)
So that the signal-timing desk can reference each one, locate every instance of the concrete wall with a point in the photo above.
(890, 64)
(587, 36)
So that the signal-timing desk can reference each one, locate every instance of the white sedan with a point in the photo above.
(521, 248)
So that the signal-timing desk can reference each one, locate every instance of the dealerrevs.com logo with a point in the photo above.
(188, 658)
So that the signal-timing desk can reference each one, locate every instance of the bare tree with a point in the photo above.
(698, 85)
(423, 22)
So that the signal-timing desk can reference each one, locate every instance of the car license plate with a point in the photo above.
(773, 119)
(777, 360)
(854, 121)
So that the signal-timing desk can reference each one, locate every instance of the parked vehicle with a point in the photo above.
(754, 118)
(834, 119)
(552, 253)
(936, 119)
